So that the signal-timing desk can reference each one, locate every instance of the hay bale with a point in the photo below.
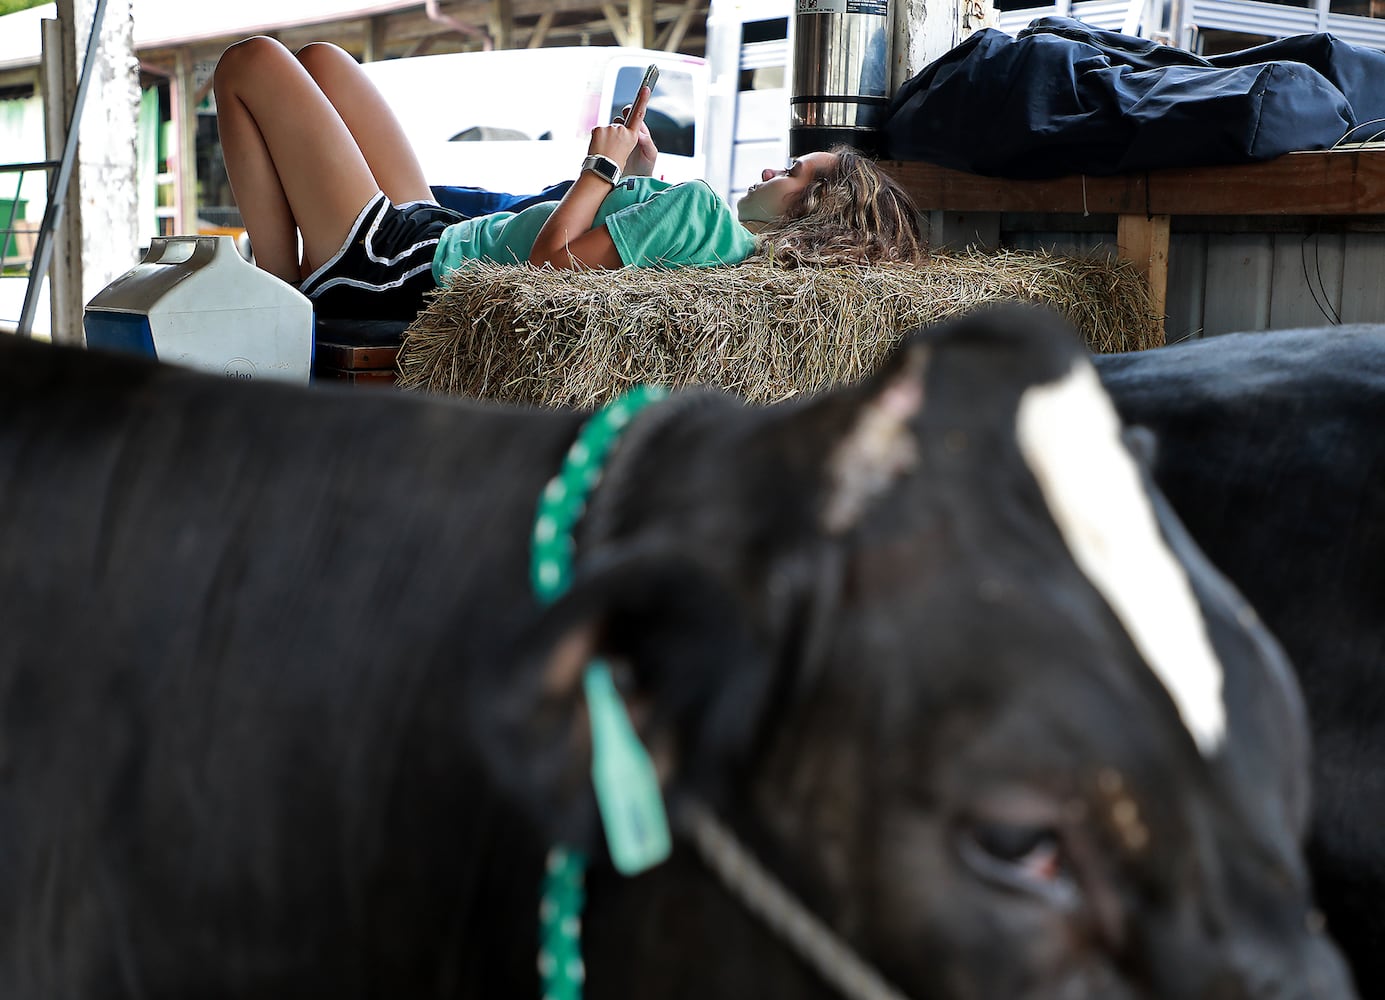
(546, 337)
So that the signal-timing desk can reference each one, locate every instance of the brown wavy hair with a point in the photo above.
(855, 214)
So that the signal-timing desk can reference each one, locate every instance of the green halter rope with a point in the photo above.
(627, 788)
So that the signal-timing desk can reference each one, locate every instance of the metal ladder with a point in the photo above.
(60, 174)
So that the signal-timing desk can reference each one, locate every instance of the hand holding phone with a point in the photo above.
(643, 94)
(627, 139)
(643, 156)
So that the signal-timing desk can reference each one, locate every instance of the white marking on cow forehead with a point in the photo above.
(1070, 437)
(878, 449)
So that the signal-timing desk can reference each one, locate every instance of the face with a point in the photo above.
(1025, 818)
(768, 200)
(967, 758)
(998, 791)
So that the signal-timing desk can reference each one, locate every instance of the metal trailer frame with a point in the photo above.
(59, 178)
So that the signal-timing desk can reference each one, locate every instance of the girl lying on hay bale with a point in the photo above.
(313, 150)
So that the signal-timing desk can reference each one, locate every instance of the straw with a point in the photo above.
(545, 337)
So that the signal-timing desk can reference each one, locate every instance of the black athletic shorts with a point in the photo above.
(385, 266)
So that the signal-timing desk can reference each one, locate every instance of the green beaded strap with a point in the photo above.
(627, 787)
(565, 497)
(560, 925)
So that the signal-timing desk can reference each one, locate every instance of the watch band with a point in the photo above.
(604, 167)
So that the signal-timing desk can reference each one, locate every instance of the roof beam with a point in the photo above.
(616, 24)
(540, 32)
(672, 36)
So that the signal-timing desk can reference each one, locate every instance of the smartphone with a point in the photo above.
(651, 77)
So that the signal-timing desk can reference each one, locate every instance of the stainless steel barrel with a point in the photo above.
(841, 69)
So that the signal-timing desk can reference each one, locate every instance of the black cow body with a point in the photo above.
(281, 716)
(1272, 449)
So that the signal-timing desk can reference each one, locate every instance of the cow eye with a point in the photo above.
(1018, 856)
(1032, 846)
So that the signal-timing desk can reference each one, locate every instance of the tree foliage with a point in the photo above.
(10, 6)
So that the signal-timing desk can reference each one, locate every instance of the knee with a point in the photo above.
(320, 57)
(249, 58)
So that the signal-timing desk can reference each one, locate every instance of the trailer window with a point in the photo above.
(671, 113)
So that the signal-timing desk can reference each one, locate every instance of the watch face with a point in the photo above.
(602, 167)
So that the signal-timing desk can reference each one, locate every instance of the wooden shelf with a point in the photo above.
(1344, 182)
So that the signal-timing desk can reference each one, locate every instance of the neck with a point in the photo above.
(755, 226)
(681, 902)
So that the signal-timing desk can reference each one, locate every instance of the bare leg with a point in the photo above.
(373, 125)
(291, 160)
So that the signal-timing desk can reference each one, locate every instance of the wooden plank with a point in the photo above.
(350, 356)
(1144, 241)
(382, 378)
(1336, 182)
(937, 188)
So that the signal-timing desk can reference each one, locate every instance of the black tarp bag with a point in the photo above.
(1065, 98)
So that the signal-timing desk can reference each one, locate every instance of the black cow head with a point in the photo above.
(936, 653)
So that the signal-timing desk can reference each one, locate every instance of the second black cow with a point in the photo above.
(1271, 446)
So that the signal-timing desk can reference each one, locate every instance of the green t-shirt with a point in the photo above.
(652, 224)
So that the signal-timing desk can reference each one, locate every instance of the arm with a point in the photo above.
(592, 248)
(567, 240)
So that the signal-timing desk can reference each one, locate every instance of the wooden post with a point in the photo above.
(375, 30)
(501, 22)
(1144, 241)
(94, 197)
(183, 108)
(642, 23)
(924, 30)
(59, 90)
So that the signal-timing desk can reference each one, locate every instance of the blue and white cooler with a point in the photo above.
(195, 301)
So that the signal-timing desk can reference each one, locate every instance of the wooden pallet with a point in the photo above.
(374, 365)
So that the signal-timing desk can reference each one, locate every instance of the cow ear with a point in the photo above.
(684, 664)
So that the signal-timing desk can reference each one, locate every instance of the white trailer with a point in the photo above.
(750, 56)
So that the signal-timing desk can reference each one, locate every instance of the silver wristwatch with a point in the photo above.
(604, 167)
